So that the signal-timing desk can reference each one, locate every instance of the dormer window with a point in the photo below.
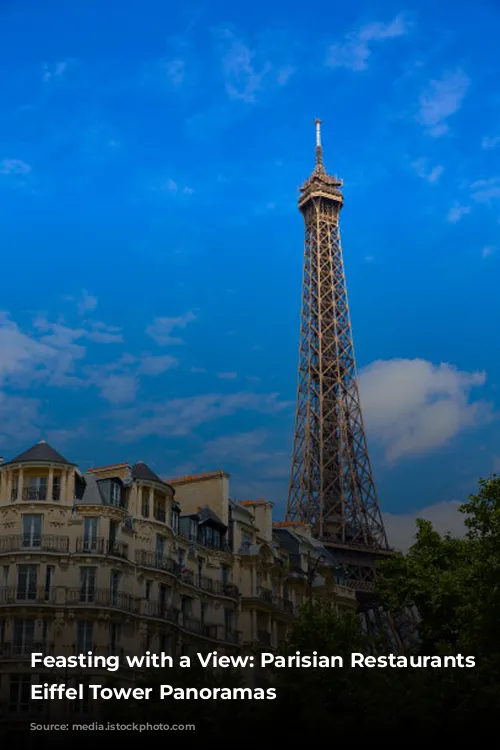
(115, 493)
(193, 530)
(175, 521)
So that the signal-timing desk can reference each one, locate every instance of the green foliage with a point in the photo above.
(455, 586)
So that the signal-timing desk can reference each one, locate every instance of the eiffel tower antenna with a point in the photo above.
(331, 483)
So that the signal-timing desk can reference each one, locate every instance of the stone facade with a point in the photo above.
(120, 561)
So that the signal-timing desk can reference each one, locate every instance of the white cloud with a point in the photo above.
(445, 517)
(484, 191)
(487, 251)
(25, 358)
(87, 303)
(489, 142)
(227, 375)
(431, 174)
(14, 166)
(161, 328)
(51, 72)
(414, 406)
(248, 71)
(20, 419)
(181, 416)
(456, 212)
(171, 186)
(151, 365)
(354, 51)
(118, 389)
(442, 99)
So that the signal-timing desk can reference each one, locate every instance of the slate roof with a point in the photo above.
(205, 514)
(40, 452)
(140, 470)
(91, 494)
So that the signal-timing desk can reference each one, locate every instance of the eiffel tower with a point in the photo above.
(331, 483)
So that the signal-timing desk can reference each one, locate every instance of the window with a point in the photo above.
(163, 599)
(228, 621)
(26, 582)
(114, 637)
(84, 636)
(36, 489)
(246, 541)
(145, 506)
(182, 560)
(49, 573)
(216, 539)
(20, 693)
(165, 644)
(14, 490)
(87, 584)
(115, 493)
(147, 593)
(24, 636)
(200, 567)
(208, 536)
(203, 612)
(32, 530)
(175, 521)
(113, 529)
(6, 575)
(160, 547)
(186, 606)
(82, 705)
(114, 586)
(90, 529)
(224, 574)
(193, 530)
(56, 489)
(45, 631)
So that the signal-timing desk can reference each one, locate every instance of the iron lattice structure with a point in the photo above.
(331, 485)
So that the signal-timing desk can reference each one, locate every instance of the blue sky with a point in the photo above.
(152, 247)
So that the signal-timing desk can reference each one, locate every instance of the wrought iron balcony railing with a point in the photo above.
(265, 594)
(161, 610)
(285, 605)
(100, 546)
(26, 594)
(32, 542)
(20, 648)
(218, 587)
(90, 596)
(158, 561)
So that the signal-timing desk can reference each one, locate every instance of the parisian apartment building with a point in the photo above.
(118, 560)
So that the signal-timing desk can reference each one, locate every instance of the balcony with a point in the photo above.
(117, 549)
(100, 546)
(192, 624)
(30, 543)
(187, 576)
(159, 515)
(266, 595)
(18, 649)
(88, 596)
(285, 605)
(26, 595)
(158, 561)
(218, 587)
(161, 611)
